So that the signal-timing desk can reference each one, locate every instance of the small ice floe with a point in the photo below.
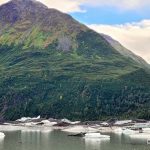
(129, 132)
(66, 121)
(48, 123)
(96, 135)
(10, 127)
(2, 135)
(104, 124)
(30, 124)
(122, 122)
(118, 131)
(141, 125)
(69, 122)
(80, 129)
(146, 130)
(7, 123)
(24, 119)
(140, 136)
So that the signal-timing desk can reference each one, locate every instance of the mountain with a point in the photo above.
(125, 52)
(52, 65)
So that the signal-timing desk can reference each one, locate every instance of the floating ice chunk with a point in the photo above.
(122, 122)
(96, 135)
(104, 124)
(75, 122)
(48, 123)
(79, 129)
(66, 120)
(129, 131)
(2, 135)
(146, 130)
(24, 119)
(69, 122)
(141, 125)
(140, 136)
(118, 131)
(36, 118)
(30, 124)
(10, 128)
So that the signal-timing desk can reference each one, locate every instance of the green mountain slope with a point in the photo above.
(56, 67)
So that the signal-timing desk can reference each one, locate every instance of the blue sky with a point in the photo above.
(127, 21)
(110, 15)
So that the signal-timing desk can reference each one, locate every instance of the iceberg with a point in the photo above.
(146, 130)
(140, 136)
(80, 129)
(69, 122)
(105, 124)
(2, 135)
(118, 131)
(96, 135)
(48, 123)
(122, 122)
(129, 131)
(24, 119)
(10, 127)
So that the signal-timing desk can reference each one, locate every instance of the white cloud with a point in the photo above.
(3, 1)
(75, 5)
(134, 36)
(121, 4)
(66, 6)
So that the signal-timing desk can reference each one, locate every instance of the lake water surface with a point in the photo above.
(56, 140)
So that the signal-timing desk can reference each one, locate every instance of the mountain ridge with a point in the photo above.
(127, 53)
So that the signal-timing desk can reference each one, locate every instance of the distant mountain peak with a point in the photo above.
(23, 0)
(16, 10)
(29, 3)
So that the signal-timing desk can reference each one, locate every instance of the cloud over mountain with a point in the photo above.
(76, 5)
(135, 36)
(123, 4)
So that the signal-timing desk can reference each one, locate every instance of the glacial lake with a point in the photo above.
(56, 140)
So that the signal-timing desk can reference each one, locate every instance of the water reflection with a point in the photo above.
(95, 144)
(1, 142)
(139, 141)
(56, 140)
